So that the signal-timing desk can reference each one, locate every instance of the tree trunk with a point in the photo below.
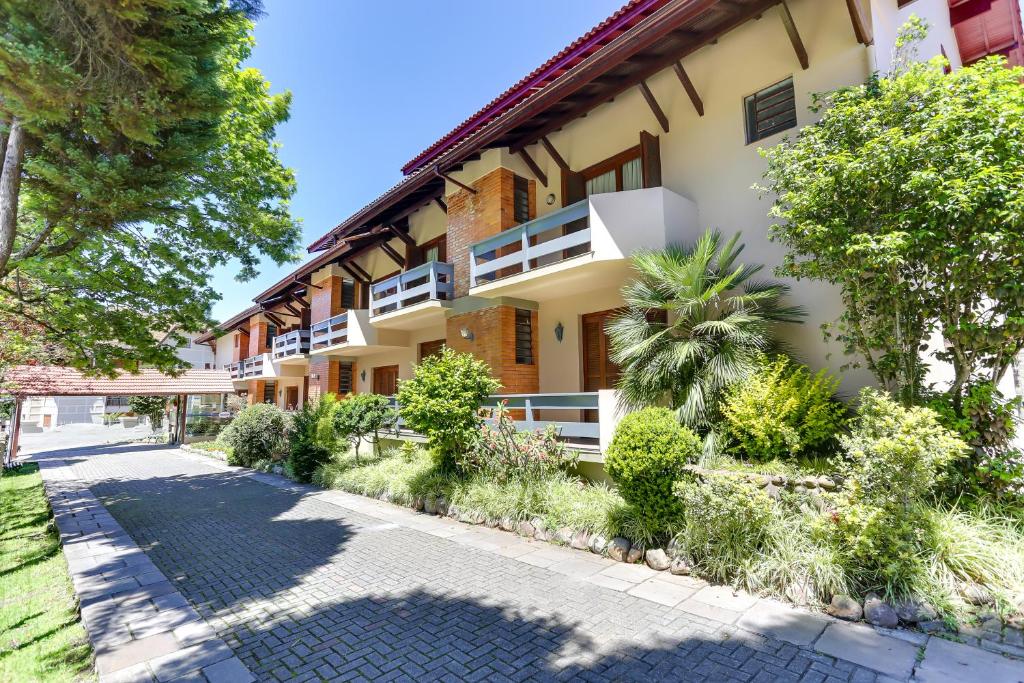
(10, 184)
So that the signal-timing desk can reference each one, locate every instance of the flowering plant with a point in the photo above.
(502, 452)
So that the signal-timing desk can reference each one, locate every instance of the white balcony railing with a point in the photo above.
(234, 369)
(293, 343)
(253, 366)
(329, 332)
(432, 281)
(520, 249)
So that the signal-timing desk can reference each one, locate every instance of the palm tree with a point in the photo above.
(695, 322)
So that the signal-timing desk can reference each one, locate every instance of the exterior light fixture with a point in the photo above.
(466, 334)
(550, 199)
(559, 332)
(362, 375)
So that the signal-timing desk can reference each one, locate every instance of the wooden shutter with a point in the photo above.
(431, 348)
(348, 294)
(524, 337)
(650, 158)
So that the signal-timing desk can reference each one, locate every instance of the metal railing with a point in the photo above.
(329, 332)
(252, 366)
(529, 404)
(293, 343)
(519, 249)
(433, 280)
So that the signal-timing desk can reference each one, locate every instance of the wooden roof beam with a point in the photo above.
(794, 35)
(357, 272)
(652, 102)
(684, 78)
(553, 153)
(402, 235)
(392, 254)
(861, 20)
(453, 181)
(440, 204)
(534, 168)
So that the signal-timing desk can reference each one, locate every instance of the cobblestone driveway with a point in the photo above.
(302, 589)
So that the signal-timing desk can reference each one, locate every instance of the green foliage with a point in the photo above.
(442, 401)
(257, 433)
(311, 440)
(695, 322)
(503, 453)
(782, 410)
(895, 459)
(645, 458)
(149, 160)
(907, 194)
(364, 416)
(149, 406)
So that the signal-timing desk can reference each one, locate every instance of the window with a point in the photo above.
(345, 383)
(434, 250)
(524, 337)
(271, 333)
(268, 392)
(624, 171)
(521, 200)
(431, 348)
(770, 110)
(348, 294)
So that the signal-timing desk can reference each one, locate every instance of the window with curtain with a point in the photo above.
(624, 171)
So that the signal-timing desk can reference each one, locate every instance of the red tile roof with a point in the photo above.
(48, 380)
(630, 14)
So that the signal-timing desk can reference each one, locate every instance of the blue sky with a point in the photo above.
(374, 83)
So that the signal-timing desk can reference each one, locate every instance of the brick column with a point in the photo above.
(257, 338)
(240, 349)
(256, 388)
(325, 303)
(494, 339)
(473, 217)
(325, 381)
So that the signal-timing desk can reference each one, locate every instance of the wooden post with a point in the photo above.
(12, 439)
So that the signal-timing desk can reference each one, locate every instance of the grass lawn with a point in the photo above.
(41, 638)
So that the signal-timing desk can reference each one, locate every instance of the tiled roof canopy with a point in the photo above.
(48, 380)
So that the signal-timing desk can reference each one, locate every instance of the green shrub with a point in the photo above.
(782, 410)
(442, 402)
(646, 456)
(257, 433)
(312, 438)
(149, 406)
(364, 416)
(895, 459)
(502, 452)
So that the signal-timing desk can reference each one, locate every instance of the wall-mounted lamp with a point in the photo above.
(550, 199)
(559, 332)
(466, 334)
(362, 375)
(313, 375)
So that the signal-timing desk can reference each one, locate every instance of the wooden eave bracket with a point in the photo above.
(453, 181)
(534, 168)
(653, 104)
(684, 78)
(440, 204)
(553, 153)
(794, 35)
(861, 21)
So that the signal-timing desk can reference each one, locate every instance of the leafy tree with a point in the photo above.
(695, 322)
(137, 154)
(909, 195)
(442, 401)
(364, 416)
(150, 406)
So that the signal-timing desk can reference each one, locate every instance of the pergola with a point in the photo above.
(24, 381)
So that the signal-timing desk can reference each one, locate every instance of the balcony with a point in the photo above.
(234, 370)
(292, 347)
(568, 251)
(351, 334)
(413, 299)
(253, 367)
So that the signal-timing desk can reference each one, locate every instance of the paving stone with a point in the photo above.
(863, 645)
(228, 671)
(725, 597)
(784, 623)
(185, 660)
(634, 573)
(947, 662)
(661, 592)
(138, 673)
(123, 655)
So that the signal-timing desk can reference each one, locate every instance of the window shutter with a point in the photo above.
(650, 158)
(524, 337)
(348, 294)
(770, 110)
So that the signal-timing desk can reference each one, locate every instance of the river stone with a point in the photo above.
(845, 607)
(597, 544)
(673, 546)
(679, 567)
(430, 506)
(618, 548)
(385, 496)
(580, 540)
(827, 483)
(563, 536)
(879, 612)
(493, 522)
(975, 594)
(657, 559)
(634, 555)
(912, 611)
(526, 529)
(441, 505)
(540, 533)
(507, 524)
(810, 482)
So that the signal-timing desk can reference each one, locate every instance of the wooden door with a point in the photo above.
(599, 372)
(291, 398)
(385, 380)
